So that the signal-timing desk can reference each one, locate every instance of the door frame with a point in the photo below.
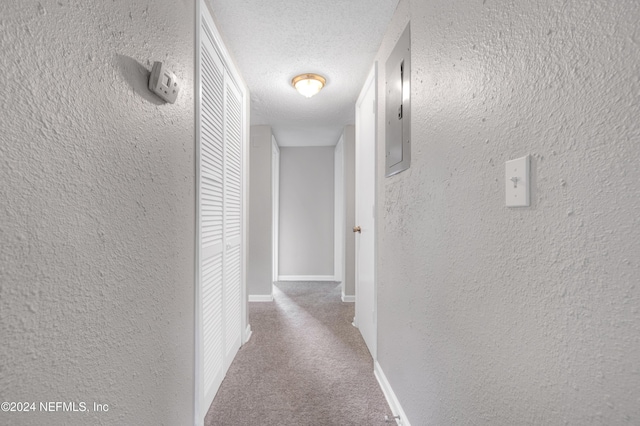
(339, 216)
(371, 83)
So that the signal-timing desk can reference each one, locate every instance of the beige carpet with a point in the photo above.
(304, 365)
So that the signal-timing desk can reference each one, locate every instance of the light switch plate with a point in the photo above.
(517, 182)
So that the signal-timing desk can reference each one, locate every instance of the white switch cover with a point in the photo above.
(163, 82)
(517, 182)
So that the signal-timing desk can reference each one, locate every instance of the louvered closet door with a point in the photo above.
(220, 174)
(212, 214)
(232, 219)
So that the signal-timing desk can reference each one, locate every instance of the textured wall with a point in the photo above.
(97, 212)
(498, 316)
(306, 211)
(260, 262)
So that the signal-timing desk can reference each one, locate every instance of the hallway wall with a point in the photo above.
(503, 316)
(306, 211)
(260, 262)
(97, 217)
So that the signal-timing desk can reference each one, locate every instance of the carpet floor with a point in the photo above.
(305, 364)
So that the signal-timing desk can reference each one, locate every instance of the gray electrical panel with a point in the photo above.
(398, 106)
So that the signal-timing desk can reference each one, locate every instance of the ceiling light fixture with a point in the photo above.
(308, 84)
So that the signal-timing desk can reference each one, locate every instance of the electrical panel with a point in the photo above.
(398, 106)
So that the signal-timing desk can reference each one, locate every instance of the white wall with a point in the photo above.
(498, 316)
(306, 211)
(97, 218)
(260, 263)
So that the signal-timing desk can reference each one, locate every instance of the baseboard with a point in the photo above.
(394, 404)
(306, 278)
(348, 299)
(261, 298)
(247, 334)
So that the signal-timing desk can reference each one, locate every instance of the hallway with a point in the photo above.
(304, 365)
(485, 313)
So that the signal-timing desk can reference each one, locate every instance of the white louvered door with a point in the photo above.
(232, 219)
(220, 207)
(211, 212)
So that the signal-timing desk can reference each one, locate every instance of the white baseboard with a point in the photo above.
(306, 278)
(261, 298)
(348, 299)
(247, 333)
(394, 404)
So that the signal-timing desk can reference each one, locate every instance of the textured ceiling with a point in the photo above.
(272, 41)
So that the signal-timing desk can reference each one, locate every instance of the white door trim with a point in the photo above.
(339, 215)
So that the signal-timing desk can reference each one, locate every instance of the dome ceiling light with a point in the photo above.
(308, 84)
